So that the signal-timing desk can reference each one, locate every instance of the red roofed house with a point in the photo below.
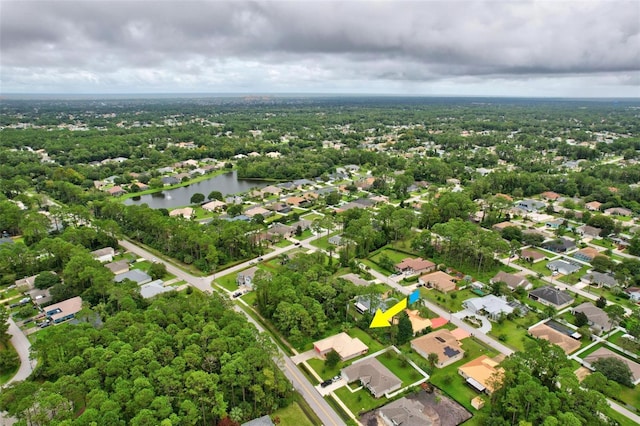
(593, 206)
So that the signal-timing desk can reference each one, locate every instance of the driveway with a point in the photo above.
(486, 324)
(22, 346)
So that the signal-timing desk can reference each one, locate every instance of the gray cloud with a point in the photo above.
(101, 46)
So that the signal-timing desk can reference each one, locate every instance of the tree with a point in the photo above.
(385, 262)
(332, 359)
(405, 329)
(432, 359)
(9, 360)
(215, 195)
(614, 369)
(601, 302)
(46, 279)
(157, 270)
(615, 313)
(155, 183)
(511, 233)
(602, 263)
(4, 325)
(197, 198)
(581, 319)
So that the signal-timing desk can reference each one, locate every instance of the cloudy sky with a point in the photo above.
(587, 48)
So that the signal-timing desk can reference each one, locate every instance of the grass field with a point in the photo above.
(292, 416)
(360, 401)
(514, 332)
(403, 370)
(228, 282)
(323, 242)
(323, 371)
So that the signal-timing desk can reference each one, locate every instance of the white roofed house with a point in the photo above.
(104, 254)
(491, 306)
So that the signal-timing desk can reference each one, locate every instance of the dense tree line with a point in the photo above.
(185, 360)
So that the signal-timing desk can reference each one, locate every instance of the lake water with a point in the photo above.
(227, 183)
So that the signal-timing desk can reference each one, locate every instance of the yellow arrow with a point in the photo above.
(383, 319)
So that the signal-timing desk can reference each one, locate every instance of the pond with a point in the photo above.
(227, 183)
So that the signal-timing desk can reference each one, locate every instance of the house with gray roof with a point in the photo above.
(153, 289)
(600, 279)
(490, 305)
(260, 421)
(404, 412)
(599, 320)
(245, 278)
(512, 281)
(135, 275)
(559, 245)
(530, 205)
(373, 376)
(563, 267)
(551, 296)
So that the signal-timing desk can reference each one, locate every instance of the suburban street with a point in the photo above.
(22, 346)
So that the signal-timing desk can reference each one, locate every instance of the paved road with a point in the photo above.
(322, 409)
(22, 346)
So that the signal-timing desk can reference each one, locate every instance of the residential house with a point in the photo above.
(26, 283)
(335, 240)
(598, 319)
(600, 279)
(371, 303)
(214, 206)
(234, 199)
(270, 190)
(567, 343)
(586, 254)
(559, 245)
(491, 306)
(260, 421)
(116, 191)
(618, 211)
(603, 352)
(258, 210)
(365, 202)
(531, 255)
(280, 229)
(165, 170)
(550, 296)
(555, 223)
(439, 280)
(593, 206)
(304, 224)
(139, 186)
(500, 226)
(104, 254)
(588, 231)
(65, 310)
(512, 281)
(186, 212)
(41, 297)
(440, 342)
(373, 376)
(482, 373)
(634, 293)
(550, 195)
(245, 278)
(135, 275)
(281, 208)
(153, 289)
(118, 267)
(355, 279)
(530, 205)
(563, 267)
(169, 180)
(182, 176)
(344, 345)
(410, 266)
(404, 412)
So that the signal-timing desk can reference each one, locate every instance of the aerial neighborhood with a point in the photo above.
(379, 262)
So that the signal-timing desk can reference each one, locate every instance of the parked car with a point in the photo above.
(326, 383)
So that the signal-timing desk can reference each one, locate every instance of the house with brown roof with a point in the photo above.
(258, 210)
(296, 201)
(593, 206)
(373, 376)
(440, 342)
(214, 205)
(186, 212)
(586, 254)
(439, 280)
(116, 191)
(118, 267)
(588, 231)
(500, 226)
(567, 343)
(512, 281)
(482, 373)
(531, 255)
(64, 310)
(550, 195)
(410, 266)
(346, 346)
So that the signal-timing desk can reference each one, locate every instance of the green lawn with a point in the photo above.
(622, 420)
(228, 282)
(395, 256)
(272, 218)
(359, 402)
(283, 243)
(305, 234)
(250, 298)
(602, 243)
(538, 268)
(323, 242)
(403, 370)
(375, 267)
(373, 344)
(323, 371)
(513, 333)
(311, 216)
(292, 416)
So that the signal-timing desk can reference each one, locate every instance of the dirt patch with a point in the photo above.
(442, 410)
